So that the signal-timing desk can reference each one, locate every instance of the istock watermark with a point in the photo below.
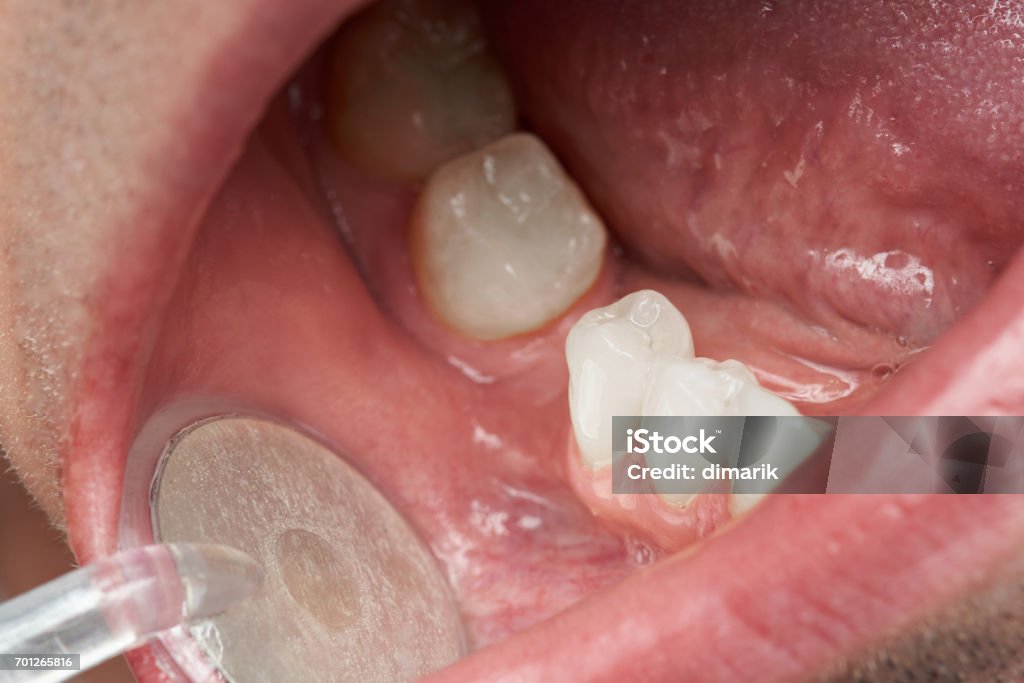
(644, 441)
(863, 454)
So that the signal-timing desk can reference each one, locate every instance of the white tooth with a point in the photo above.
(788, 449)
(700, 386)
(503, 240)
(741, 503)
(610, 351)
(636, 357)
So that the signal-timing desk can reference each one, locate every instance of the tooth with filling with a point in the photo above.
(636, 357)
(412, 85)
(503, 241)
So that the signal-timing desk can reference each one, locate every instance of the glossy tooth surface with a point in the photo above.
(790, 447)
(503, 240)
(636, 357)
(610, 352)
(412, 85)
(701, 386)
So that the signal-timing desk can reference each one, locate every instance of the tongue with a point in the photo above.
(787, 153)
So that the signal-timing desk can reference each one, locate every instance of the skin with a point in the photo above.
(91, 148)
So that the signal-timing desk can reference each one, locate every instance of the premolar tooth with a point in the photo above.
(412, 85)
(610, 351)
(503, 240)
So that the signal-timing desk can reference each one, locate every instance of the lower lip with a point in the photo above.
(744, 608)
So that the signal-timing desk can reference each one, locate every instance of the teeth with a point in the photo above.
(610, 352)
(700, 386)
(412, 85)
(789, 448)
(636, 357)
(503, 241)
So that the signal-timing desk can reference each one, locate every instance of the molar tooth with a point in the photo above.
(609, 352)
(503, 240)
(636, 357)
(797, 440)
(413, 85)
(701, 386)
(742, 503)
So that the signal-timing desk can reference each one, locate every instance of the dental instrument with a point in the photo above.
(117, 604)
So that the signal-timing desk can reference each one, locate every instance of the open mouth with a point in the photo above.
(830, 193)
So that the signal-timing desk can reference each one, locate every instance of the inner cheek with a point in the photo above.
(272, 315)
